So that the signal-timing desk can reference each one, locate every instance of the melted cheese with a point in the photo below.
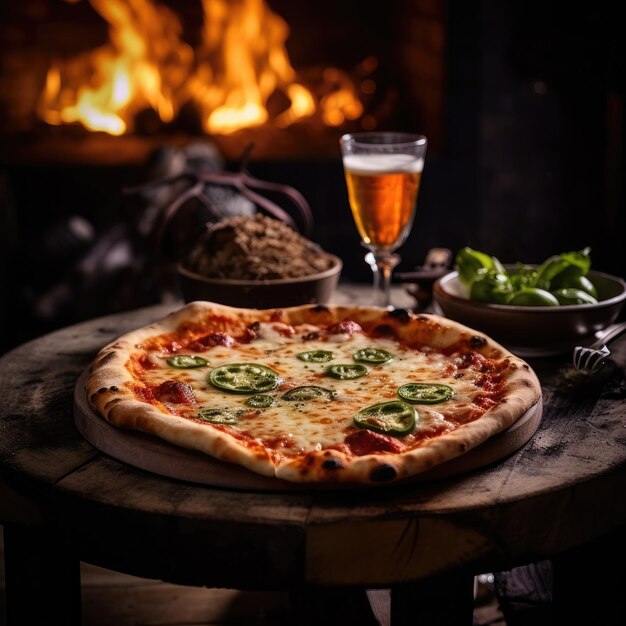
(296, 427)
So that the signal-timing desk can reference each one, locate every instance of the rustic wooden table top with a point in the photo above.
(563, 488)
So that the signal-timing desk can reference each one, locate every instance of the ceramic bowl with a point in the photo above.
(534, 330)
(261, 294)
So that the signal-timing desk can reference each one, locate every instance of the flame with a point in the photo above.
(240, 64)
(342, 102)
(244, 60)
(302, 105)
(142, 66)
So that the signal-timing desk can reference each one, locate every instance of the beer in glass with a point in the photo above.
(383, 173)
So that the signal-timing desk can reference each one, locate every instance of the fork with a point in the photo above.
(592, 358)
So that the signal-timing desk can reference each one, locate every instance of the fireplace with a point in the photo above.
(501, 93)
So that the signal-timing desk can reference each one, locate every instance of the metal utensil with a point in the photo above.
(592, 358)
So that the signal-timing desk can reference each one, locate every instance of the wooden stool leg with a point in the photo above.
(42, 578)
(445, 600)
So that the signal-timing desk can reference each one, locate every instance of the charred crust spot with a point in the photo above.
(526, 366)
(320, 308)
(310, 336)
(458, 375)
(309, 460)
(402, 315)
(113, 388)
(332, 464)
(383, 473)
(477, 341)
(102, 390)
(463, 447)
(525, 383)
(254, 327)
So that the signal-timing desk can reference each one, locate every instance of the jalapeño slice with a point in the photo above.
(316, 356)
(391, 418)
(185, 361)
(217, 416)
(372, 355)
(425, 393)
(347, 371)
(308, 392)
(244, 378)
(260, 401)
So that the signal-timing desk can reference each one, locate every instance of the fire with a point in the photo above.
(143, 66)
(241, 62)
(244, 56)
(342, 102)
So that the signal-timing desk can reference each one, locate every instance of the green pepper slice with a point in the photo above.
(316, 356)
(186, 361)
(217, 416)
(244, 378)
(347, 371)
(372, 355)
(391, 418)
(260, 401)
(308, 392)
(425, 393)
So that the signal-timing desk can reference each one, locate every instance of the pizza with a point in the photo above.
(313, 394)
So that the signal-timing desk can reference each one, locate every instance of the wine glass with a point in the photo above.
(383, 172)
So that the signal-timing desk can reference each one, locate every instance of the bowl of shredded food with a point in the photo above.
(258, 262)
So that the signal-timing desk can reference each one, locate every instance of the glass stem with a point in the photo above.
(382, 267)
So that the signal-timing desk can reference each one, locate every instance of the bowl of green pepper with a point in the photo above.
(534, 310)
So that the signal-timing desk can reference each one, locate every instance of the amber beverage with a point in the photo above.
(383, 172)
(382, 190)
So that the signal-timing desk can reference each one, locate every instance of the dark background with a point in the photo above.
(526, 156)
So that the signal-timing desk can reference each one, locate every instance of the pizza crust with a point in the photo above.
(110, 391)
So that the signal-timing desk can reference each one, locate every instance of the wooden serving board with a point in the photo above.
(161, 457)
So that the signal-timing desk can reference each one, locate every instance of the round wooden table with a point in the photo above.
(62, 501)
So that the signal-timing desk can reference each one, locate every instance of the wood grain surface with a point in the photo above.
(556, 492)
